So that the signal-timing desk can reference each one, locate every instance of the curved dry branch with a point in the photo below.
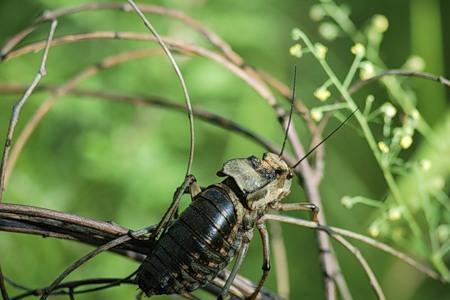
(362, 83)
(202, 114)
(215, 40)
(50, 223)
(72, 285)
(3, 289)
(211, 36)
(182, 83)
(110, 62)
(363, 262)
(362, 238)
(18, 107)
(72, 267)
(405, 73)
(12, 125)
(45, 107)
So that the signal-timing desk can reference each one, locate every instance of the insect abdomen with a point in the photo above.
(199, 244)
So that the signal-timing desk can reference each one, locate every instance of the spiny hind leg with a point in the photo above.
(266, 258)
(303, 206)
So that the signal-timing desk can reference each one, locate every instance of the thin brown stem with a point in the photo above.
(3, 289)
(405, 73)
(200, 113)
(362, 83)
(212, 37)
(75, 265)
(362, 238)
(284, 90)
(71, 286)
(18, 107)
(177, 45)
(49, 223)
(12, 125)
(363, 262)
(46, 106)
(280, 258)
(182, 83)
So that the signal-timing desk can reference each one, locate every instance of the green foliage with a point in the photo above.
(415, 215)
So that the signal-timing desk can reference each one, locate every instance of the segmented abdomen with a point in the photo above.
(199, 244)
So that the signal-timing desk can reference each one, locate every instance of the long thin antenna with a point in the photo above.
(323, 141)
(180, 77)
(290, 112)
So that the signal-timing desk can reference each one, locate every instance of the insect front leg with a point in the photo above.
(169, 214)
(266, 258)
(239, 259)
(193, 189)
(304, 206)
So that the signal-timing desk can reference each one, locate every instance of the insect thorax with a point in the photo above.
(259, 181)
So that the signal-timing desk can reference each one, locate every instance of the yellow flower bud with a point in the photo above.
(358, 49)
(321, 51)
(374, 231)
(322, 94)
(316, 13)
(316, 114)
(389, 110)
(367, 70)
(406, 141)
(425, 165)
(296, 50)
(347, 202)
(328, 31)
(296, 34)
(415, 63)
(383, 147)
(380, 23)
(395, 213)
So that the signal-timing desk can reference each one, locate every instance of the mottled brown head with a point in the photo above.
(261, 181)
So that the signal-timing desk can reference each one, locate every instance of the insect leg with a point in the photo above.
(266, 258)
(193, 189)
(168, 216)
(305, 206)
(239, 259)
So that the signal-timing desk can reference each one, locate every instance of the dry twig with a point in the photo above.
(18, 106)
(210, 117)
(369, 241)
(182, 83)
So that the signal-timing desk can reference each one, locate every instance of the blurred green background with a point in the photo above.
(119, 162)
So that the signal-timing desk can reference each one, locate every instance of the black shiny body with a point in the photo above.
(199, 244)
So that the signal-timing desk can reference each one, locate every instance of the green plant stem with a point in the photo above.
(392, 84)
(353, 68)
(367, 201)
(439, 264)
(370, 140)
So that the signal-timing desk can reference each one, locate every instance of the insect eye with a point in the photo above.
(290, 175)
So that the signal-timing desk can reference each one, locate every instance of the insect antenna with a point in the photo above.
(326, 138)
(290, 112)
